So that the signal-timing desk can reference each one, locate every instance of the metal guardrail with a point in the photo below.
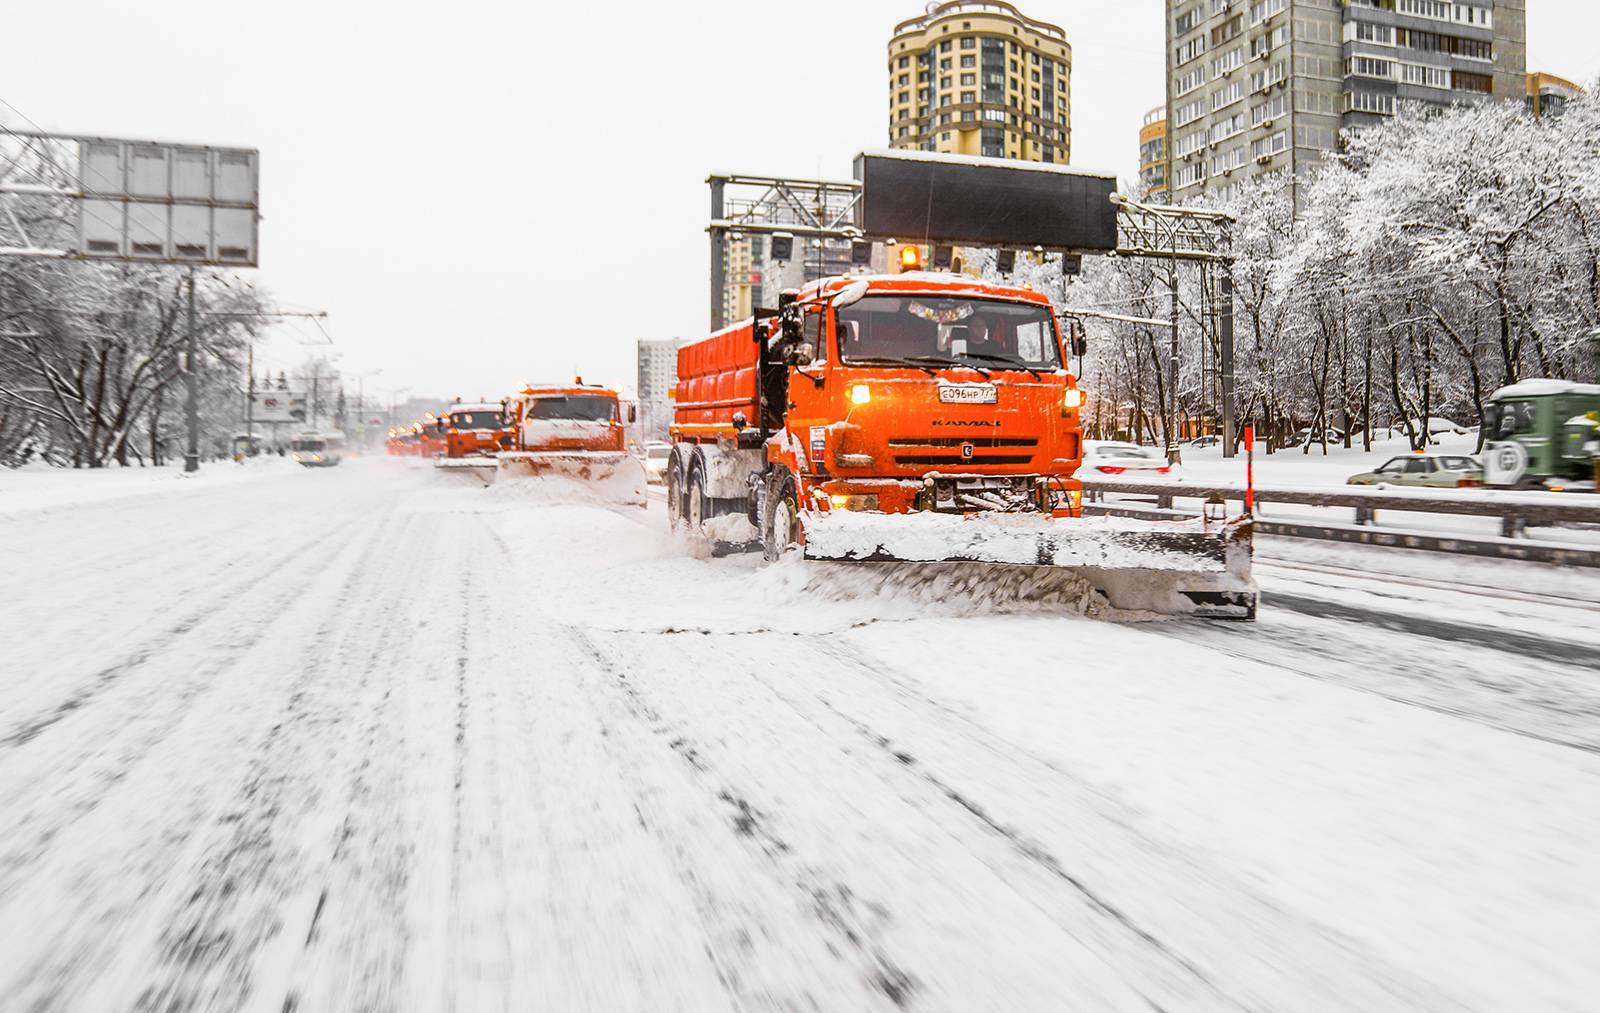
(1515, 512)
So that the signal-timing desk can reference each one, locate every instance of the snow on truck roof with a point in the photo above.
(485, 406)
(1543, 387)
(926, 283)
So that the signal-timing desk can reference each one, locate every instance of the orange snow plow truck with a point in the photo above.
(572, 438)
(921, 418)
(473, 435)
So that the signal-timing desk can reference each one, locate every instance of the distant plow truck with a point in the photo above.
(568, 441)
(474, 434)
(921, 418)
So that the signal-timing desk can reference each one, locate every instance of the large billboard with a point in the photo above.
(174, 203)
(924, 197)
(279, 406)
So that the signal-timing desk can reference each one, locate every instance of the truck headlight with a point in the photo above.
(1072, 400)
(860, 393)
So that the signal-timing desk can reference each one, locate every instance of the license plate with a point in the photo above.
(968, 393)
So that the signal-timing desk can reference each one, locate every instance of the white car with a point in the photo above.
(656, 456)
(1106, 459)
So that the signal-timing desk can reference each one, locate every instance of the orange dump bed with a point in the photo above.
(717, 377)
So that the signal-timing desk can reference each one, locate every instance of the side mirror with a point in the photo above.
(800, 354)
(740, 422)
(1079, 340)
(633, 413)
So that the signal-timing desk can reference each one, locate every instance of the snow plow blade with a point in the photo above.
(471, 469)
(575, 476)
(1180, 568)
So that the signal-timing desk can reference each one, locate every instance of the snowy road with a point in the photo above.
(353, 740)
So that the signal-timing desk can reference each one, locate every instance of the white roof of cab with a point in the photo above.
(1543, 386)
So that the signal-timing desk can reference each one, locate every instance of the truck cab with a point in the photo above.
(892, 394)
(571, 417)
(476, 430)
(1538, 435)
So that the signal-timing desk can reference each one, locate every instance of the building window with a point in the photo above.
(944, 47)
(969, 61)
(968, 80)
(968, 42)
(969, 97)
(905, 61)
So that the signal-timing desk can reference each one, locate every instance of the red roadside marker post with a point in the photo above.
(1249, 471)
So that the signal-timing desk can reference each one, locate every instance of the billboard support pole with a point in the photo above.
(1174, 454)
(718, 261)
(1229, 424)
(191, 394)
(250, 402)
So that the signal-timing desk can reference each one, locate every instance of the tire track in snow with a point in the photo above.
(122, 735)
(1541, 700)
(210, 948)
(221, 602)
(1290, 952)
(853, 922)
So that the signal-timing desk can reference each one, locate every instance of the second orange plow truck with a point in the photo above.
(571, 439)
(921, 418)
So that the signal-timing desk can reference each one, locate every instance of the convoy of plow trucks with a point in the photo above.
(916, 419)
(908, 419)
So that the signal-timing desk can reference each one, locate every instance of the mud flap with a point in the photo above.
(1166, 568)
(576, 476)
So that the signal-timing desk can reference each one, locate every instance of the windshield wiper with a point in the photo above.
(946, 360)
(886, 360)
(1006, 360)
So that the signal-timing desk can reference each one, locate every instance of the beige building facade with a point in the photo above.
(979, 77)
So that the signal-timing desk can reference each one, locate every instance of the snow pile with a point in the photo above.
(606, 485)
(42, 487)
(1018, 539)
(932, 589)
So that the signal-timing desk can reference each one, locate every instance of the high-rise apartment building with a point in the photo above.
(1153, 155)
(658, 374)
(1257, 86)
(978, 77)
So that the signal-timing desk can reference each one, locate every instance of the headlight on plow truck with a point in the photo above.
(843, 501)
(1072, 400)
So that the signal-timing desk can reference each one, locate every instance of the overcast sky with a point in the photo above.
(480, 192)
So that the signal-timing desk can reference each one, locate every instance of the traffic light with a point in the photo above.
(1007, 261)
(860, 254)
(910, 258)
(1071, 263)
(782, 246)
(942, 256)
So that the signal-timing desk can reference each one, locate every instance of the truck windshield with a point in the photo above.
(577, 408)
(1512, 418)
(476, 420)
(983, 332)
(311, 446)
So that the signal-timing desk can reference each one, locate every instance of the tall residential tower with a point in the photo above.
(1256, 86)
(978, 77)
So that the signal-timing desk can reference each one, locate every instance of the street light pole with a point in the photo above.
(191, 396)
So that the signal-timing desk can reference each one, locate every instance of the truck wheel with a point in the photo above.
(674, 496)
(780, 528)
(695, 509)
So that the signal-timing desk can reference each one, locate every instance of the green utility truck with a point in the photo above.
(1543, 434)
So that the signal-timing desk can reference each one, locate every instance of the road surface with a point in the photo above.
(358, 740)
